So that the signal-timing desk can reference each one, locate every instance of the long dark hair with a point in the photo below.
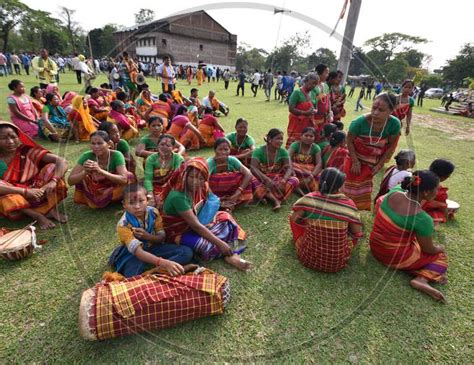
(331, 180)
(420, 181)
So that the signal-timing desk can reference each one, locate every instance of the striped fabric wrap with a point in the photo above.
(149, 302)
(384, 183)
(207, 133)
(438, 213)
(225, 185)
(304, 171)
(325, 245)
(359, 188)
(399, 249)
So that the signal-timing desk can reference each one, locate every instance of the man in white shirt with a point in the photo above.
(77, 67)
(255, 82)
(167, 74)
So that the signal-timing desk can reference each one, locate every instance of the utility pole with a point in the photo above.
(347, 42)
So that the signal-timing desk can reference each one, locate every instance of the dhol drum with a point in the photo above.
(149, 302)
(19, 244)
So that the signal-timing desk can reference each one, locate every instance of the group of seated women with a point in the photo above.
(188, 201)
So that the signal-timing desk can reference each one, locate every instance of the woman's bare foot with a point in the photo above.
(54, 213)
(45, 223)
(190, 267)
(421, 284)
(237, 262)
(276, 206)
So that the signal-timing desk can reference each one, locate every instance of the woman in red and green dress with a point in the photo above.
(184, 131)
(119, 144)
(371, 141)
(229, 179)
(337, 95)
(100, 174)
(241, 144)
(271, 165)
(404, 105)
(159, 168)
(306, 160)
(210, 128)
(402, 237)
(335, 153)
(321, 96)
(326, 225)
(302, 108)
(31, 181)
(148, 144)
(192, 218)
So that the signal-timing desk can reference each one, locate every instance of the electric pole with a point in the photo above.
(347, 42)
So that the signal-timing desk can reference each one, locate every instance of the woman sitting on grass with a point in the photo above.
(37, 98)
(148, 144)
(98, 106)
(229, 179)
(394, 175)
(326, 225)
(271, 165)
(242, 145)
(184, 131)
(119, 144)
(54, 124)
(100, 174)
(336, 151)
(160, 108)
(210, 128)
(159, 168)
(402, 237)
(438, 207)
(125, 124)
(306, 160)
(82, 123)
(22, 111)
(192, 217)
(31, 181)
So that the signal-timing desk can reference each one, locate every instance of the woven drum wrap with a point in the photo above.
(143, 303)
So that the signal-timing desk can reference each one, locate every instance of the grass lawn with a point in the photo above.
(280, 311)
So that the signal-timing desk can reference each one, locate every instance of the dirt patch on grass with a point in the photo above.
(454, 128)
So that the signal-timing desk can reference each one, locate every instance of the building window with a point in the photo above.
(153, 41)
(201, 47)
(163, 42)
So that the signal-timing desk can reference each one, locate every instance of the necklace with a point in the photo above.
(163, 163)
(108, 160)
(412, 200)
(239, 145)
(381, 133)
(271, 166)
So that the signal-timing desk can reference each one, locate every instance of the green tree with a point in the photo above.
(12, 13)
(395, 70)
(358, 62)
(71, 26)
(413, 57)
(102, 40)
(324, 56)
(249, 58)
(289, 55)
(144, 16)
(390, 44)
(460, 67)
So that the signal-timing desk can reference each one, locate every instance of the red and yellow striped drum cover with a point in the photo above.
(149, 302)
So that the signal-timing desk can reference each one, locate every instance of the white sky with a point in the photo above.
(446, 24)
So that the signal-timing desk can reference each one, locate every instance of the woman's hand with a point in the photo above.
(91, 167)
(225, 249)
(49, 187)
(35, 194)
(173, 268)
(236, 196)
(268, 183)
(407, 130)
(355, 168)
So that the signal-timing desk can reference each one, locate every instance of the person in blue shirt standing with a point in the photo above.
(25, 60)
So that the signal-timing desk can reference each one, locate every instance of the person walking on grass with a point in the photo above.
(241, 84)
(268, 84)
(361, 96)
(255, 82)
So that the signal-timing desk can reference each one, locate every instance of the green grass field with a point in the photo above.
(280, 311)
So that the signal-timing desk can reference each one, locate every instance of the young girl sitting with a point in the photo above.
(210, 129)
(306, 158)
(242, 145)
(394, 175)
(148, 144)
(438, 207)
(119, 144)
(272, 166)
(141, 234)
(336, 151)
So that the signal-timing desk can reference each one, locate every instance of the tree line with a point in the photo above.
(391, 57)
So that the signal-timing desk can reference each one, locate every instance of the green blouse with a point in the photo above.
(361, 127)
(116, 159)
(153, 163)
(246, 144)
(233, 164)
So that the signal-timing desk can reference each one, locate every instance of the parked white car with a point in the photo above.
(434, 93)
